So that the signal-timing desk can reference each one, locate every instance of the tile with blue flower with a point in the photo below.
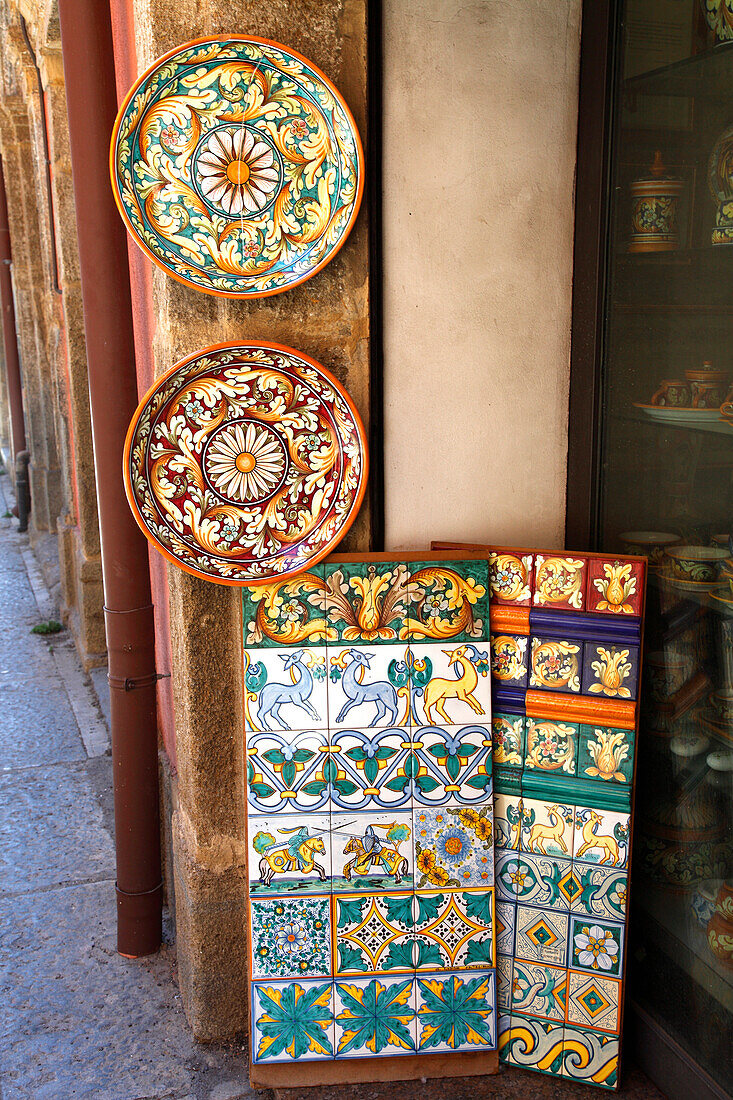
(454, 846)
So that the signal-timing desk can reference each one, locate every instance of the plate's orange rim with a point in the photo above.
(267, 346)
(118, 198)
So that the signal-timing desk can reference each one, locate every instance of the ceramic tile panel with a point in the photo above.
(448, 601)
(286, 613)
(510, 578)
(562, 816)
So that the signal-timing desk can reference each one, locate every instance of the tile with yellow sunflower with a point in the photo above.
(454, 846)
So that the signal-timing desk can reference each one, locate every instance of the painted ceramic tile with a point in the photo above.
(551, 746)
(372, 851)
(504, 1029)
(547, 827)
(590, 1056)
(510, 579)
(614, 587)
(366, 603)
(606, 754)
(559, 582)
(456, 1011)
(505, 873)
(534, 1044)
(451, 686)
(291, 937)
(292, 1021)
(546, 881)
(375, 1016)
(509, 659)
(507, 731)
(596, 946)
(283, 771)
(601, 891)
(289, 854)
(539, 990)
(286, 613)
(454, 846)
(454, 930)
(449, 601)
(593, 1001)
(504, 972)
(555, 664)
(372, 768)
(285, 689)
(541, 935)
(368, 686)
(507, 820)
(610, 671)
(601, 836)
(505, 915)
(374, 933)
(452, 762)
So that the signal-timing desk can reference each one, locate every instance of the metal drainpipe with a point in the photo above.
(10, 334)
(86, 40)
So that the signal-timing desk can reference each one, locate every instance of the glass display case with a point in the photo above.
(662, 485)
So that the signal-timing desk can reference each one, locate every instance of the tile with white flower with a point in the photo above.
(555, 664)
(292, 1021)
(449, 601)
(372, 851)
(375, 1016)
(450, 685)
(539, 990)
(606, 755)
(507, 732)
(454, 930)
(590, 1056)
(552, 746)
(505, 917)
(283, 770)
(534, 1044)
(372, 769)
(507, 820)
(456, 1011)
(593, 1001)
(610, 671)
(541, 935)
(547, 827)
(454, 846)
(601, 836)
(368, 686)
(291, 937)
(451, 762)
(373, 933)
(560, 581)
(504, 972)
(366, 603)
(285, 689)
(541, 880)
(615, 587)
(289, 612)
(510, 578)
(509, 659)
(596, 946)
(601, 891)
(289, 854)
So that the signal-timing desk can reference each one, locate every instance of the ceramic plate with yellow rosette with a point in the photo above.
(237, 166)
(245, 463)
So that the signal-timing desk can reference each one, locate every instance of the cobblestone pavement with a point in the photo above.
(76, 1019)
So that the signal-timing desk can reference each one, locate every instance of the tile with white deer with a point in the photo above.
(601, 836)
(372, 851)
(285, 689)
(450, 686)
(368, 686)
(547, 827)
(289, 854)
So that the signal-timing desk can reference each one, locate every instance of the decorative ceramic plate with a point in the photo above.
(680, 415)
(245, 462)
(237, 166)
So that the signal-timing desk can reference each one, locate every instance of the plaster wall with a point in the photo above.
(480, 110)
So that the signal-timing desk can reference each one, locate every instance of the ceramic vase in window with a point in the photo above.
(654, 210)
(719, 16)
(720, 178)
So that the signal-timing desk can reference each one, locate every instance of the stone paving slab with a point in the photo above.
(36, 727)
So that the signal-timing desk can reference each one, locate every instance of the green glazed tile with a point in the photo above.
(366, 602)
(606, 755)
(290, 612)
(448, 600)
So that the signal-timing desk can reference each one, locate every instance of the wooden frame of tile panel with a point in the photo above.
(380, 1069)
(517, 620)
